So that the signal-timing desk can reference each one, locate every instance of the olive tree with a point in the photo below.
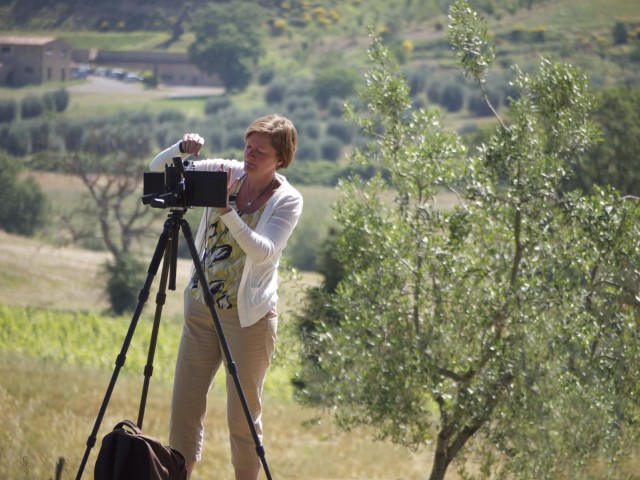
(503, 329)
(110, 157)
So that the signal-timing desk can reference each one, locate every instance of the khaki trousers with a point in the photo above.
(199, 358)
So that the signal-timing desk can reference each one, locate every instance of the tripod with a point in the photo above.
(167, 247)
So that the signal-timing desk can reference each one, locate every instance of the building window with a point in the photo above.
(49, 73)
(28, 70)
(49, 51)
(5, 49)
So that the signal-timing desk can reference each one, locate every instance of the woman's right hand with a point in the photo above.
(231, 185)
(191, 144)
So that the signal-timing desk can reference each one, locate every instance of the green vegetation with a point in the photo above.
(229, 42)
(48, 409)
(23, 209)
(503, 329)
(312, 64)
(55, 367)
(615, 160)
(84, 339)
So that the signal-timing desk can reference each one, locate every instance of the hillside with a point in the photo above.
(158, 14)
(38, 274)
(90, 15)
(62, 278)
(303, 34)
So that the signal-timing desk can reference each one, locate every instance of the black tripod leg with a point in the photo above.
(161, 297)
(233, 370)
(142, 298)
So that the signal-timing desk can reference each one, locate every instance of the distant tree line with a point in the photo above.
(316, 109)
(32, 106)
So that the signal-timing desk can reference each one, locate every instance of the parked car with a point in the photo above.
(133, 77)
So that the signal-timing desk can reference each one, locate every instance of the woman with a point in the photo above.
(240, 246)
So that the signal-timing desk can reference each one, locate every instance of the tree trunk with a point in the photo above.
(448, 446)
(440, 465)
(441, 458)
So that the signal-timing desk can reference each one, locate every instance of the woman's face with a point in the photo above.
(259, 155)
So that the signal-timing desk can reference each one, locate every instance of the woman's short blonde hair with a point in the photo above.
(283, 134)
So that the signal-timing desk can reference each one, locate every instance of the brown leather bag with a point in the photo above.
(127, 454)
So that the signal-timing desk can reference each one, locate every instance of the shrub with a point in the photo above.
(215, 138)
(434, 93)
(331, 148)
(23, 205)
(72, 133)
(31, 106)
(40, 133)
(416, 80)
(538, 34)
(60, 99)
(165, 135)
(305, 105)
(452, 98)
(620, 33)
(340, 129)
(298, 86)
(308, 149)
(266, 75)
(171, 116)
(275, 93)
(15, 139)
(308, 129)
(124, 278)
(216, 104)
(8, 110)
(334, 81)
(517, 33)
(49, 102)
(235, 138)
(335, 107)
(57, 101)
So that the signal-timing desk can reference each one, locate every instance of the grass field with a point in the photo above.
(52, 414)
(51, 390)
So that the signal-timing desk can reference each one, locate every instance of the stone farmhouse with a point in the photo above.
(35, 60)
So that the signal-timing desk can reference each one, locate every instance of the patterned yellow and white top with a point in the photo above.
(223, 260)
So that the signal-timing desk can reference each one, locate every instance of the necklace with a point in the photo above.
(250, 202)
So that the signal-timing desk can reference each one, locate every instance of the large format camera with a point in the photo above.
(180, 188)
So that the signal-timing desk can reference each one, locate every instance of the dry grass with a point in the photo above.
(48, 410)
(66, 278)
(52, 414)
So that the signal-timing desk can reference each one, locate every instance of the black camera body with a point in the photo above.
(180, 188)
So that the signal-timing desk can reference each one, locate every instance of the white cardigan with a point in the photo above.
(257, 292)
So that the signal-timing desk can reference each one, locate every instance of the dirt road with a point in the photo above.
(97, 84)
